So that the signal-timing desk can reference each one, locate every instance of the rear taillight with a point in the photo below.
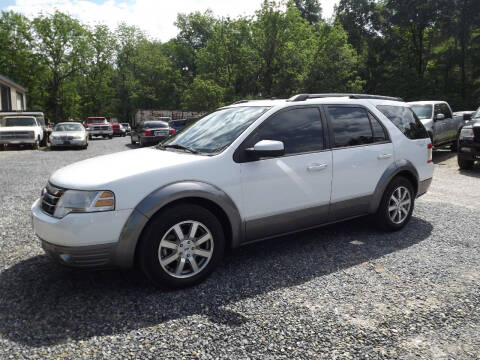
(172, 131)
(148, 132)
(429, 152)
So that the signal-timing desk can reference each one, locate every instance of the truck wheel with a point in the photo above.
(181, 247)
(140, 142)
(36, 145)
(465, 164)
(131, 141)
(90, 137)
(396, 206)
(110, 136)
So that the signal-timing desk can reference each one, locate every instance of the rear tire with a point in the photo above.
(36, 145)
(133, 142)
(465, 164)
(190, 242)
(396, 206)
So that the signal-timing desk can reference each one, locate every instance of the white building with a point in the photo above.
(12, 95)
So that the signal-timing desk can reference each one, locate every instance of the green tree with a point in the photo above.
(18, 61)
(203, 95)
(63, 47)
(311, 10)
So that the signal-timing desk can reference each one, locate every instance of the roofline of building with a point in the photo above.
(12, 83)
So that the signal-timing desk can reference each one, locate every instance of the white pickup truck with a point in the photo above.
(20, 130)
(437, 117)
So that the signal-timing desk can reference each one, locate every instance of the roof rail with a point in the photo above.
(303, 97)
(241, 101)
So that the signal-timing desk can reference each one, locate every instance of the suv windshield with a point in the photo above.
(422, 111)
(96, 121)
(216, 131)
(68, 127)
(20, 121)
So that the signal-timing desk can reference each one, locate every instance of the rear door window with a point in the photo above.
(405, 120)
(446, 110)
(350, 125)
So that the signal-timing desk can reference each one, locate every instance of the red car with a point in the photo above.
(98, 126)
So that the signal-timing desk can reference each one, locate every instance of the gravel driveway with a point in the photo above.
(343, 291)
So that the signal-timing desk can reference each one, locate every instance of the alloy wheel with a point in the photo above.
(399, 205)
(186, 249)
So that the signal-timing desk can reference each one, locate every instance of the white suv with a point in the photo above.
(249, 171)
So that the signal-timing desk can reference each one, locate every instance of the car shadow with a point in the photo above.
(44, 304)
(439, 156)
(133, 146)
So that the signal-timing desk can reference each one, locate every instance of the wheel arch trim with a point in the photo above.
(163, 196)
(397, 167)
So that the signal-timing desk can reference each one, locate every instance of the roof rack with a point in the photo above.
(303, 97)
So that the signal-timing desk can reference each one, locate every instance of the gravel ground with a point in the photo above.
(340, 292)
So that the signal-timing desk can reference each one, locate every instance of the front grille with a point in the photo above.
(50, 197)
(14, 135)
(100, 128)
(476, 132)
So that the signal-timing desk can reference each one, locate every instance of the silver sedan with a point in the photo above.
(69, 134)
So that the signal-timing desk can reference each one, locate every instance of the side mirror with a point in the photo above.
(467, 117)
(267, 148)
(440, 117)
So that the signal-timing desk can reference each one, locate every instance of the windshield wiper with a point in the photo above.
(179, 147)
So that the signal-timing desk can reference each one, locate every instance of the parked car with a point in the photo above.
(126, 127)
(466, 115)
(41, 119)
(98, 126)
(469, 143)
(442, 126)
(243, 173)
(150, 133)
(180, 123)
(22, 130)
(118, 129)
(69, 134)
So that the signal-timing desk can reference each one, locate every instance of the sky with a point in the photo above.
(155, 17)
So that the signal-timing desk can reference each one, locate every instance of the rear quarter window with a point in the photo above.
(405, 120)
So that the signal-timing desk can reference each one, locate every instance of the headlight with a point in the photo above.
(84, 202)
(466, 133)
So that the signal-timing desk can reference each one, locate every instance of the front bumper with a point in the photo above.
(469, 150)
(81, 240)
(17, 141)
(100, 132)
(93, 256)
(56, 143)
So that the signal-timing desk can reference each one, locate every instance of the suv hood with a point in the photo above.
(17, 128)
(105, 172)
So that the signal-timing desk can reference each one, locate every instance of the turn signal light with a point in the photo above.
(105, 199)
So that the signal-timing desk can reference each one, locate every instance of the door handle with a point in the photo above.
(384, 156)
(316, 167)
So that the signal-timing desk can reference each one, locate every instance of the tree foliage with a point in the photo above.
(416, 49)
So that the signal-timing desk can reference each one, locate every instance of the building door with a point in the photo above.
(5, 97)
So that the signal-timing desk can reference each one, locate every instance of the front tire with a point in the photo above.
(396, 206)
(465, 164)
(181, 246)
